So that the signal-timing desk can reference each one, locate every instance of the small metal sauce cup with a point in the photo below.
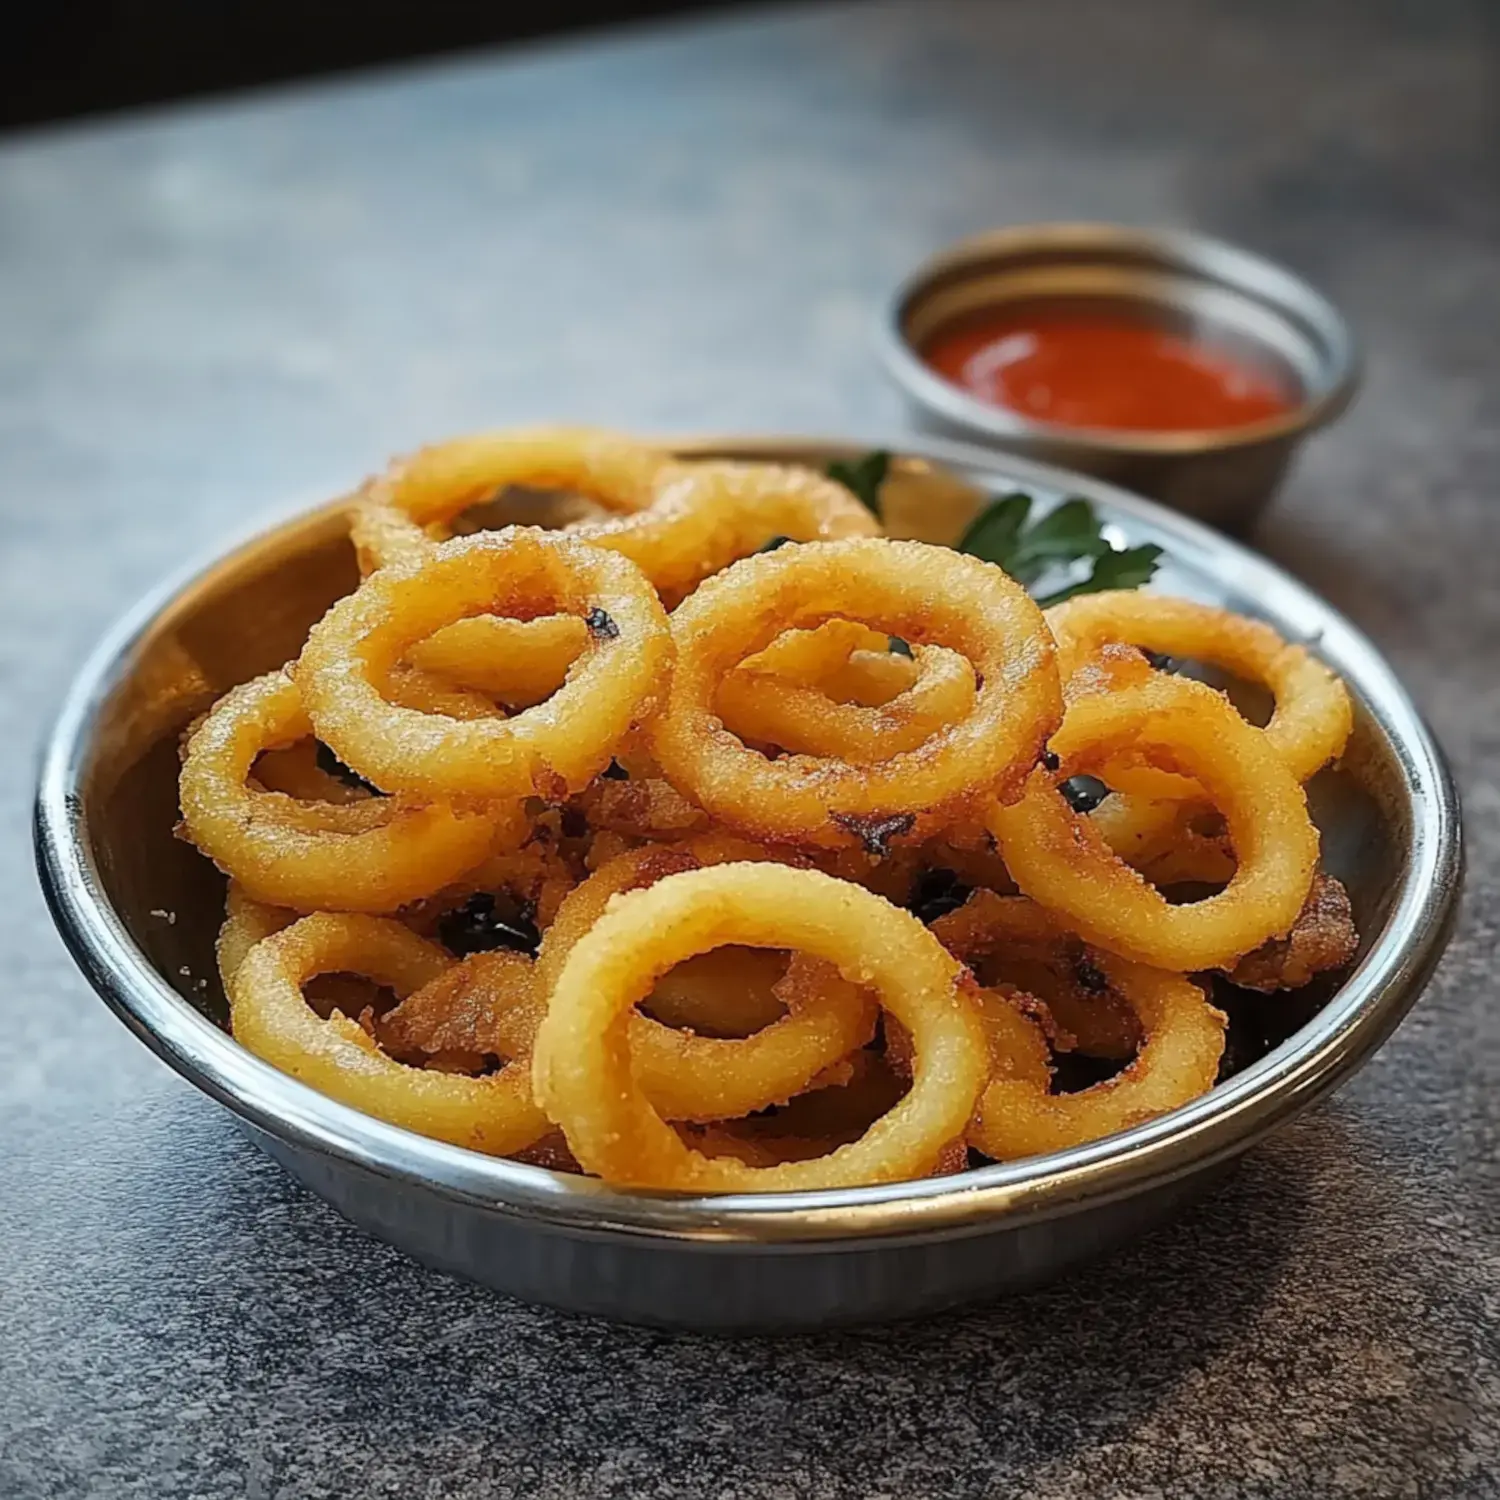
(1187, 283)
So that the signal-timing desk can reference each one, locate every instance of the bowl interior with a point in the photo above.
(250, 613)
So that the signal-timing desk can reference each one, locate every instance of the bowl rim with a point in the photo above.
(1212, 1128)
(1251, 275)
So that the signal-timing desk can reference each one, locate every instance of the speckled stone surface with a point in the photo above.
(215, 313)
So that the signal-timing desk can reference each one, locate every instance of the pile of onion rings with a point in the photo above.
(646, 846)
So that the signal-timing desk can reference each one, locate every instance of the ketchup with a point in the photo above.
(1097, 369)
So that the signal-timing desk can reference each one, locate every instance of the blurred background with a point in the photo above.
(74, 57)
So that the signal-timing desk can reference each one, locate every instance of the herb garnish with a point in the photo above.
(862, 477)
(1067, 535)
(1003, 533)
(874, 831)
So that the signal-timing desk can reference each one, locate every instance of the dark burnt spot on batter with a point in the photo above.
(573, 822)
(875, 832)
(1091, 978)
(601, 624)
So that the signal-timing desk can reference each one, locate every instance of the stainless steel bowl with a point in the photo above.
(111, 868)
(1182, 280)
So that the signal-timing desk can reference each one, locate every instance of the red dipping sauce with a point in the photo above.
(1097, 369)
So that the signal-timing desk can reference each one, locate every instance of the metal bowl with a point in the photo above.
(113, 873)
(1183, 281)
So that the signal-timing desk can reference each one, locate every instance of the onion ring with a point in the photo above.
(1313, 715)
(518, 662)
(758, 502)
(270, 1017)
(924, 594)
(709, 514)
(371, 855)
(1020, 944)
(582, 1062)
(677, 521)
(894, 703)
(557, 745)
(730, 992)
(1169, 842)
(246, 922)
(405, 512)
(1059, 859)
(295, 771)
(820, 1020)
(1177, 1061)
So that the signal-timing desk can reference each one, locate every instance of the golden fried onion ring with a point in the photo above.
(269, 1015)
(1313, 716)
(730, 992)
(246, 922)
(677, 521)
(737, 508)
(1015, 942)
(1166, 840)
(1177, 1061)
(401, 515)
(1059, 859)
(556, 745)
(519, 662)
(926, 595)
(787, 696)
(369, 855)
(693, 1077)
(582, 1064)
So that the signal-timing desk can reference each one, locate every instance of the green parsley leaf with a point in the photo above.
(1066, 535)
(862, 477)
(992, 533)
(1072, 530)
(1112, 570)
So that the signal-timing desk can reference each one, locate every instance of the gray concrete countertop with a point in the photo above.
(214, 313)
